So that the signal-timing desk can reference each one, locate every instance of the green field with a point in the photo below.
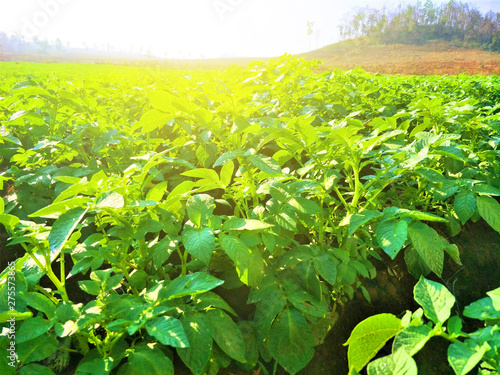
(223, 221)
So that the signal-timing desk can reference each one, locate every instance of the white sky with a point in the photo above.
(190, 28)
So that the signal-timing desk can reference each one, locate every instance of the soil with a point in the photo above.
(479, 247)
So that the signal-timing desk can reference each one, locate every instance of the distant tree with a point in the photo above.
(414, 24)
(43, 46)
(310, 30)
(58, 45)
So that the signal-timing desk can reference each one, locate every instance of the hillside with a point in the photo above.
(431, 58)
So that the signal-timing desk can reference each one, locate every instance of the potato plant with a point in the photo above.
(144, 207)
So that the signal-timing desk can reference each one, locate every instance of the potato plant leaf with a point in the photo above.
(198, 332)
(398, 363)
(465, 205)
(291, 341)
(200, 243)
(248, 262)
(169, 331)
(391, 236)
(463, 358)
(412, 339)
(226, 334)
(63, 227)
(489, 209)
(192, 284)
(368, 337)
(429, 245)
(436, 300)
(146, 360)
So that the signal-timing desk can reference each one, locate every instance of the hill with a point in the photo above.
(428, 59)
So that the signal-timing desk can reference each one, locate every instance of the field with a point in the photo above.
(433, 58)
(244, 221)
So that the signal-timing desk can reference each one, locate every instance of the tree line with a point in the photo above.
(417, 24)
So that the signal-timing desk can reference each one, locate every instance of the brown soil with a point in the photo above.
(430, 59)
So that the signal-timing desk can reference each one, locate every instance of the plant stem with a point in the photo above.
(253, 191)
(50, 274)
(341, 197)
(183, 258)
(357, 187)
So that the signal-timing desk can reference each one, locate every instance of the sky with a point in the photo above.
(190, 28)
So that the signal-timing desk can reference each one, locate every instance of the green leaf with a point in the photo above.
(482, 309)
(195, 283)
(32, 328)
(90, 365)
(247, 329)
(415, 264)
(90, 286)
(359, 219)
(270, 304)
(144, 360)
(436, 300)
(305, 206)
(486, 190)
(63, 227)
(265, 164)
(6, 315)
(41, 303)
(291, 340)
(463, 359)
(9, 222)
(162, 100)
(204, 173)
(111, 200)
(412, 339)
(391, 236)
(248, 262)
(157, 192)
(210, 300)
(368, 337)
(495, 298)
(489, 209)
(153, 120)
(162, 251)
(465, 205)
(37, 349)
(326, 266)
(168, 331)
(199, 209)
(227, 157)
(429, 245)
(226, 173)
(236, 223)
(454, 325)
(226, 334)
(61, 207)
(419, 215)
(200, 243)
(198, 333)
(398, 363)
(35, 369)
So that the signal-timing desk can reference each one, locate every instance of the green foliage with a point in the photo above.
(477, 348)
(173, 196)
(423, 22)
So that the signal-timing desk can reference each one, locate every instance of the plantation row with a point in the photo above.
(220, 219)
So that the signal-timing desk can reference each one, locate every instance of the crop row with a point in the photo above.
(141, 202)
